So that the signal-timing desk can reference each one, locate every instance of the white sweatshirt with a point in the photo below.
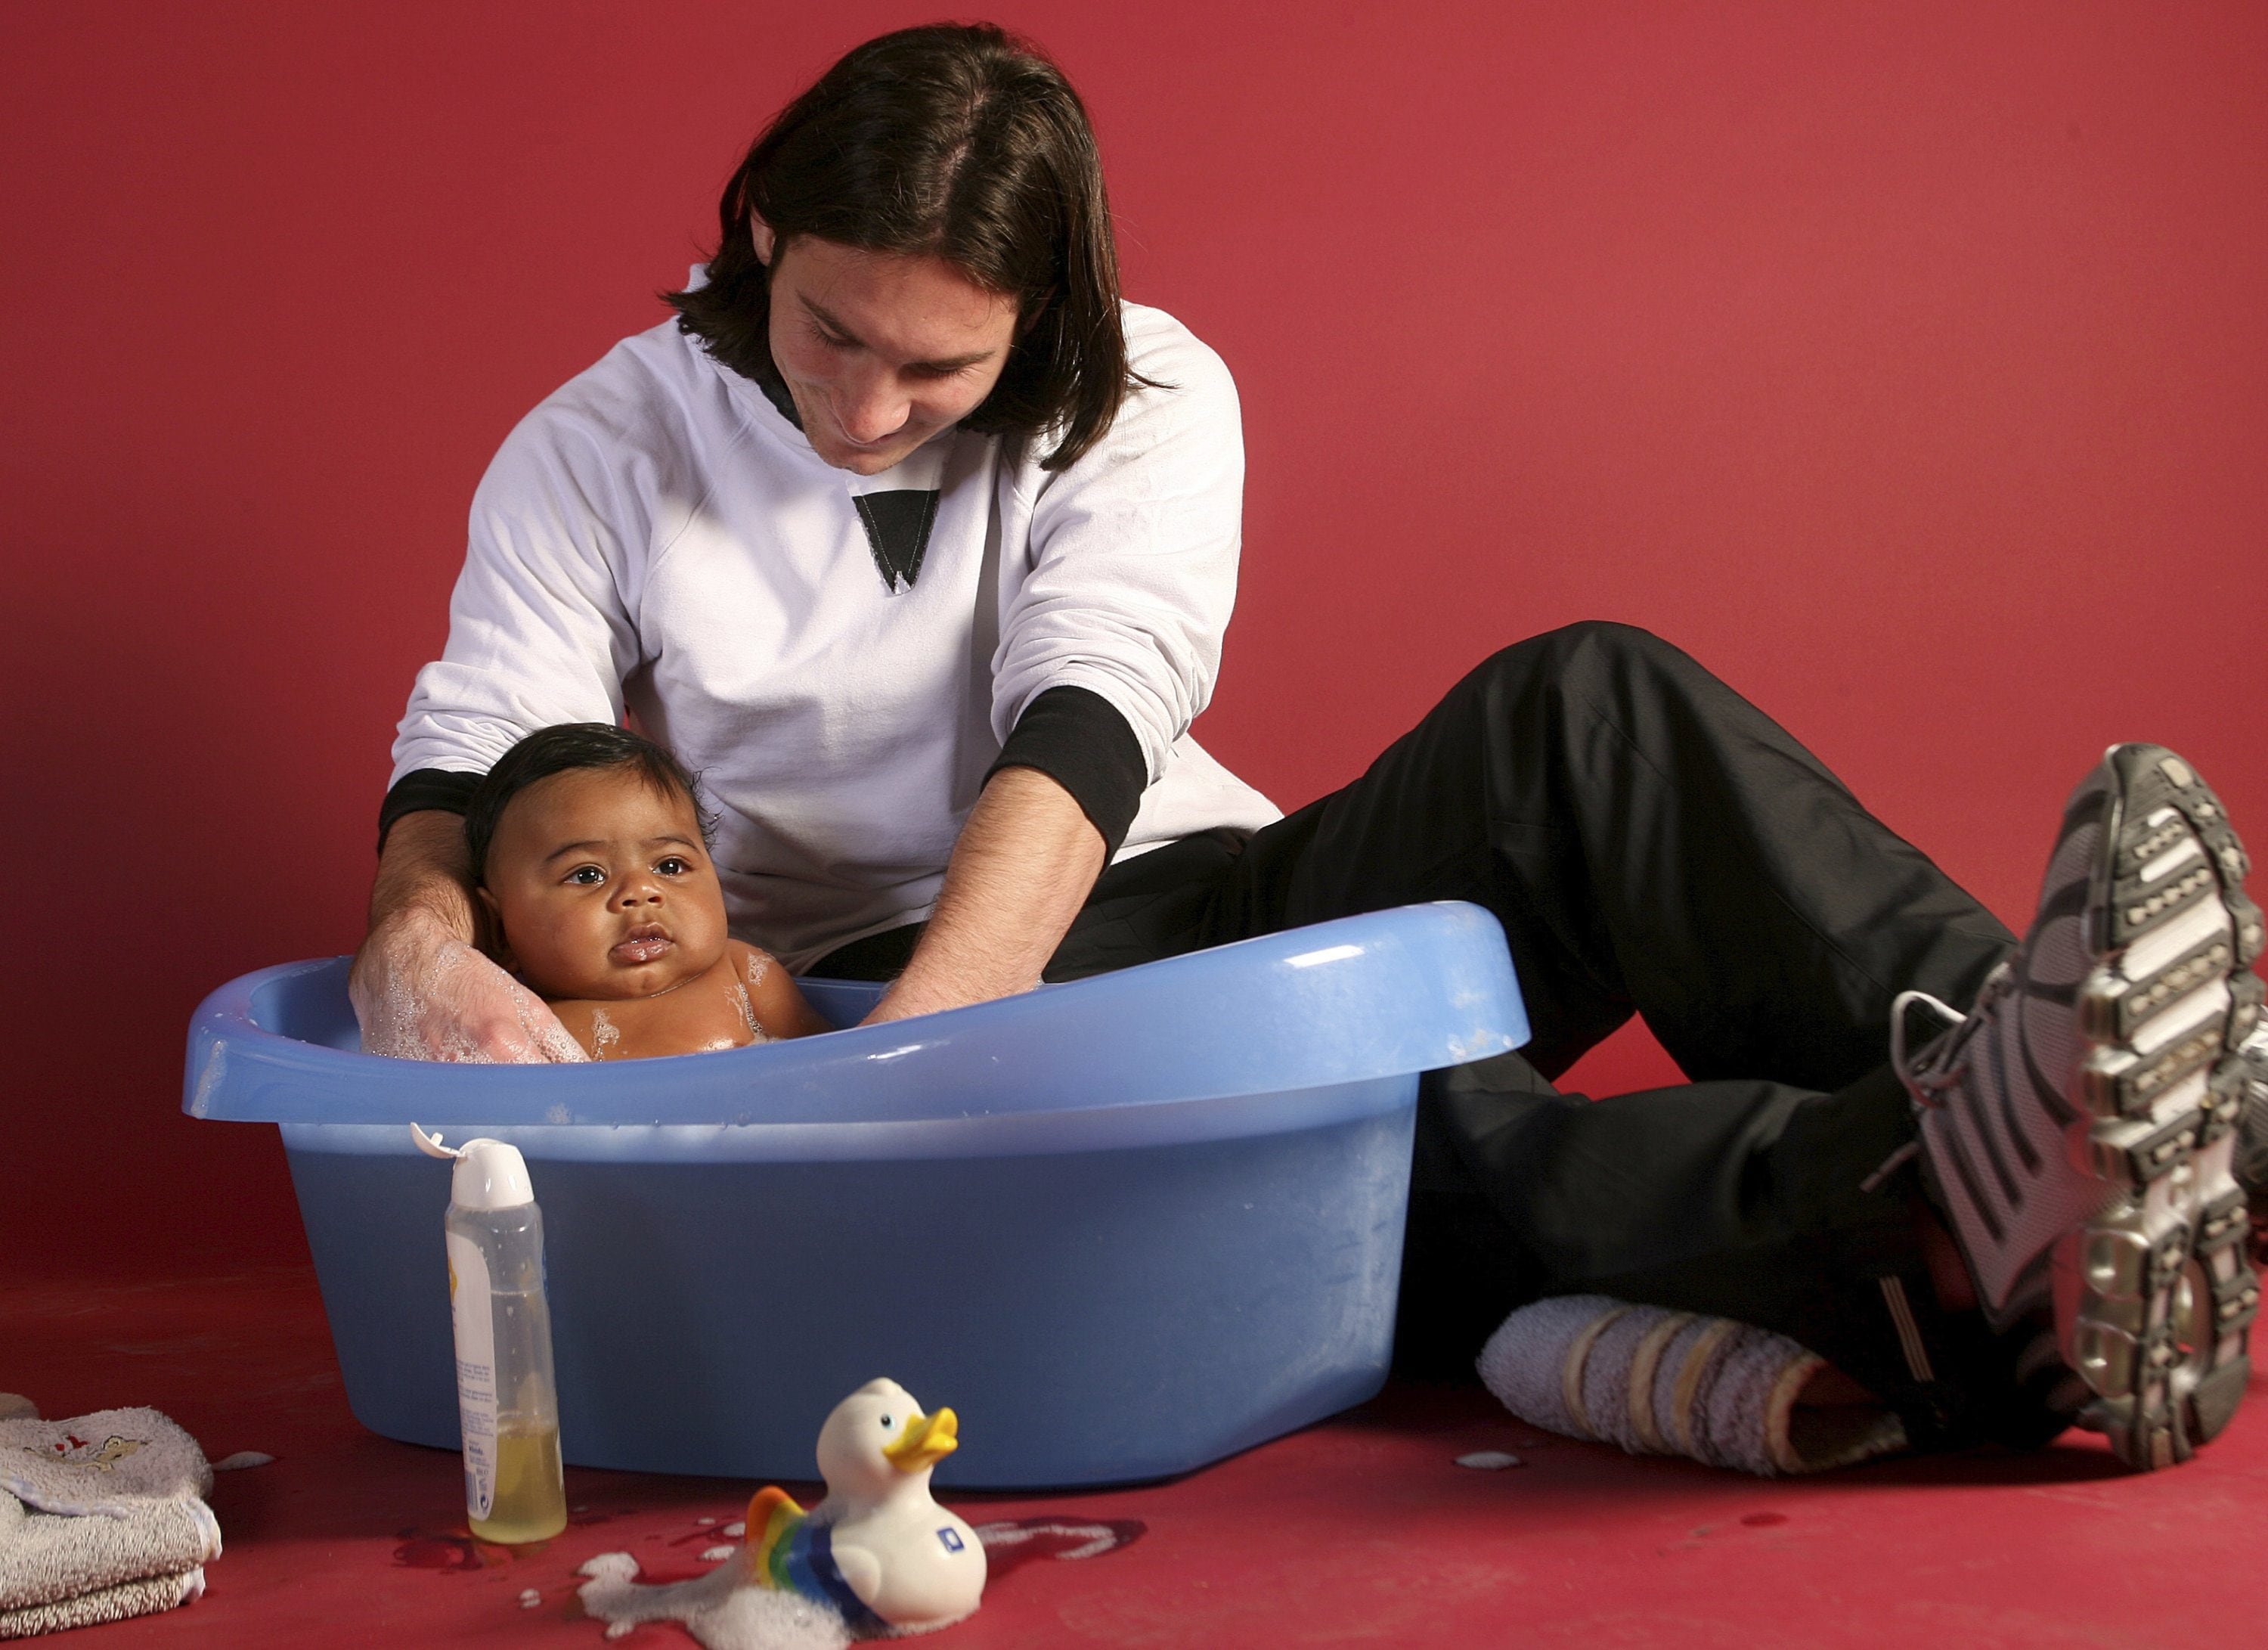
(656, 536)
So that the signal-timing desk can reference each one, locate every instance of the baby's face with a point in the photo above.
(602, 888)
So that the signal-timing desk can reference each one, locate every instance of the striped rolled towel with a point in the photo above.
(1674, 1383)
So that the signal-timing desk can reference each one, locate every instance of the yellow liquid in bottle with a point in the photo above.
(530, 1503)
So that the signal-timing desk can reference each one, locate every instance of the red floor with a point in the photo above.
(1360, 1532)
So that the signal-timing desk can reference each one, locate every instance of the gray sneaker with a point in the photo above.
(2077, 1125)
(2251, 1156)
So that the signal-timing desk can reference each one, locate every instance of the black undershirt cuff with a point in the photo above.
(425, 789)
(1079, 740)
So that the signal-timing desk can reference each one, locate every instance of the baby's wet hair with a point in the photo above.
(561, 749)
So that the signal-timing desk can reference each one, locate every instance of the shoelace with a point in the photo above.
(1945, 1053)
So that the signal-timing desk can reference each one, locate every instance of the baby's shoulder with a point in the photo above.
(751, 965)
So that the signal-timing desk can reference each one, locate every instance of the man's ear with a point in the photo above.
(761, 236)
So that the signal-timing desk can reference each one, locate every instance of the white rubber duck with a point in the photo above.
(878, 1549)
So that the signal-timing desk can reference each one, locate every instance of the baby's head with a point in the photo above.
(591, 854)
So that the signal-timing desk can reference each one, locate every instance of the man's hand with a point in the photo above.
(420, 989)
(1025, 864)
(423, 993)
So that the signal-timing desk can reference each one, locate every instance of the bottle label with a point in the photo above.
(472, 1311)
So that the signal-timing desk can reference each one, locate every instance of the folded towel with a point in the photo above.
(1672, 1383)
(145, 1597)
(121, 1527)
(111, 1462)
(46, 1557)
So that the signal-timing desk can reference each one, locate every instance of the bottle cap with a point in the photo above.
(490, 1174)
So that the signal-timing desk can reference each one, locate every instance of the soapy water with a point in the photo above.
(445, 1001)
(756, 970)
(209, 1082)
(1011, 1540)
(716, 1608)
(724, 1611)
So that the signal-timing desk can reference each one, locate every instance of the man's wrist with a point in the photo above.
(424, 876)
(439, 915)
(934, 982)
(1024, 865)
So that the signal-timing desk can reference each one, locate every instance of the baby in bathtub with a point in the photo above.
(591, 857)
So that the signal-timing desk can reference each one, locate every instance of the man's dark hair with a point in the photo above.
(960, 140)
(559, 749)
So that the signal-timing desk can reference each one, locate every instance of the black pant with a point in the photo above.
(1652, 843)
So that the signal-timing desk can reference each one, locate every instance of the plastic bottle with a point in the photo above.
(507, 1406)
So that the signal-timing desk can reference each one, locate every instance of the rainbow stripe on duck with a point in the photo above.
(788, 1553)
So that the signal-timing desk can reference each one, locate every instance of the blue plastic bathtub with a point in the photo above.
(1124, 1227)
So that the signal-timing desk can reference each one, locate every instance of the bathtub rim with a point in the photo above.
(1382, 994)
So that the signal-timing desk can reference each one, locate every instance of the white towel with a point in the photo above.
(145, 1597)
(59, 1571)
(111, 1462)
(122, 1530)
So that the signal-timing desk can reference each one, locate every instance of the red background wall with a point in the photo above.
(1907, 362)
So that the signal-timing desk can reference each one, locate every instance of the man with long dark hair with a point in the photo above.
(918, 544)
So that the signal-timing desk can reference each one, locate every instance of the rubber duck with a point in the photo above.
(878, 1548)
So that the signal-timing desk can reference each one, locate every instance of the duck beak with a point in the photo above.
(927, 1440)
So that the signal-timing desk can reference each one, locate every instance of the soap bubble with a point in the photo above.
(421, 993)
(756, 1033)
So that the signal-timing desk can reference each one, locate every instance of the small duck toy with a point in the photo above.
(878, 1550)
(875, 1558)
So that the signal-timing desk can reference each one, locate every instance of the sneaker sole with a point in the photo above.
(2155, 1296)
